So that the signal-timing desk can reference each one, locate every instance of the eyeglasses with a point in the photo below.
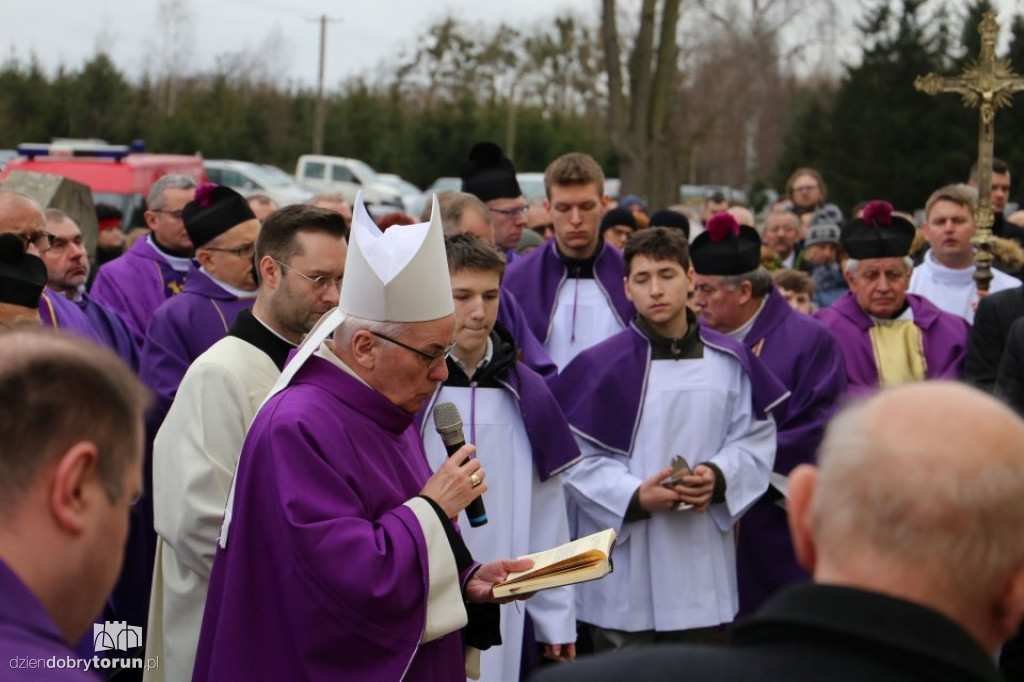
(319, 283)
(40, 239)
(243, 252)
(176, 215)
(511, 212)
(432, 360)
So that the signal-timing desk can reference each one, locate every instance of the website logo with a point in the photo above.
(116, 635)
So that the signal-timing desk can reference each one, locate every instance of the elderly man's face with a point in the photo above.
(880, 285)
(781, 231)
(67, 264)
(407, 378)
(719, 307)
(166, 222)
(508, 216)
(23, 217)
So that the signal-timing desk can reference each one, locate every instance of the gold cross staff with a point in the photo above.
(988, 83)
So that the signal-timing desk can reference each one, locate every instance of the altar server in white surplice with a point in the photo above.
(523, 442)
(662, 388)
(946, 277)
(301, 251)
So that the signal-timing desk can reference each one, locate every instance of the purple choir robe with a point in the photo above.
(944, 337)
(511, 317)
(111, 329)
(602, 389)
(535, 279)
(180, 331)
(802, 354)
(325, 576)
(57, 311)
(135, 284)
(28, 632)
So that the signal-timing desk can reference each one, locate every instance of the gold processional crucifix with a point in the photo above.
(989, 83)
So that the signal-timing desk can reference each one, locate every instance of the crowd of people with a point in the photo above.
(229, 443)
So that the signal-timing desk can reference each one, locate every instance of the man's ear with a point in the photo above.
(1008, 609)
(847, 275)
(269, 272)
(625, 286)
(73, 475)
(365, 349)
(802, 481)
(205, 259)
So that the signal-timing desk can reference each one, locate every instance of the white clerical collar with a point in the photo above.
(789, 260)
(234, 291)
(488, 354)
(79, 294)
(740, 333)
(177, 263)
(273, 331)
(325, 352)
(940, 273)
(906, 315)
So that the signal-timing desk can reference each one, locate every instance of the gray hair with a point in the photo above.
(156, 199)
(760, 282)
(852, 263)
(351, 324)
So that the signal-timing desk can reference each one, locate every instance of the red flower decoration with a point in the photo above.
(878, 213)
(720, 226)
(204, 194)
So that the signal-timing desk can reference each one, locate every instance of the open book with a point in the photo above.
(585, 559)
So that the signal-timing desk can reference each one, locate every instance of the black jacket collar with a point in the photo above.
(254, 332)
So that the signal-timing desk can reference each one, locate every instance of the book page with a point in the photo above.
(598, 542)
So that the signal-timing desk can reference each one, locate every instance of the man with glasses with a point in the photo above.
(301, 254)
(490, 176)
(338, 558)
(67, 265)
(571, 290)
(135, 284)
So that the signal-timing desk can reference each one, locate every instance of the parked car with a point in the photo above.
(347, 176)
(252, 178)
(412, 196)
(445, 184)
(532, 185)
(119, 175)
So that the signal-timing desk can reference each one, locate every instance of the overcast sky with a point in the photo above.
(68, 31)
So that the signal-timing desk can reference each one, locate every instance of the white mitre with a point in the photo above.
(399, 275)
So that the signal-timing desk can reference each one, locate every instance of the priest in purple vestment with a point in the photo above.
(734, 295)
(888, 336)
(571, 289)
(67, 264)
(135, 284)
(338, 559)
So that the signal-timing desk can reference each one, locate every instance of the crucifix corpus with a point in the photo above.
(987, 83)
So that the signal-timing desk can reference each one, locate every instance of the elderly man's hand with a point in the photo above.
(480, 588)
(454, 485)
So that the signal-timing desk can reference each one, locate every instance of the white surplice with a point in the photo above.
(582, 317)
(677, 569)
(954, 291)
(524, 516)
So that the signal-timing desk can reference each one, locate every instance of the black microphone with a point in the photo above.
(448, 423)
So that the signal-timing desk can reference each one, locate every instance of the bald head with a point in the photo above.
(21, 214)
(920, 494)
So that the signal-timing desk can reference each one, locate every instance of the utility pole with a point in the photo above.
(320, 113)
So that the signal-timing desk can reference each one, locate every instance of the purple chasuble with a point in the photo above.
(943, 335)
(28, 632)
(135, 284)
(602, 390)
(57, 311)
(802, 354)
(535, 279)
(551, 442)
(111, 329)
(325, 576)
(180, 331)
(512, 318)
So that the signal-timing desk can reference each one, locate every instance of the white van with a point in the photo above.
(347, 176)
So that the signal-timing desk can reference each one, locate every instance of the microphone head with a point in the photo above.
(447, 418)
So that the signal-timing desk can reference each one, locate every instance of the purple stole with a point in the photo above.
(57, 311)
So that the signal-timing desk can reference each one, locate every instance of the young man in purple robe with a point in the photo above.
(571, 289)
(366, 577)
(734, 295)
(664, 388)
(889, 336)
(67, 264)
(70, 468)
(525, 443)
(135, 284)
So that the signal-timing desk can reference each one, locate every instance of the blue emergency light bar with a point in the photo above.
(66, 151)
